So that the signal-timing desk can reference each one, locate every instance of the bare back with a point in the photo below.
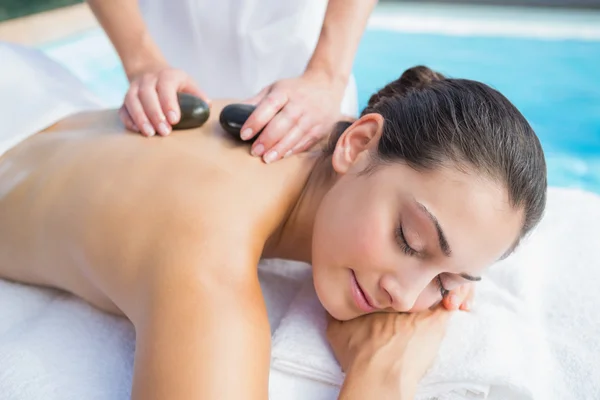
(84, 205)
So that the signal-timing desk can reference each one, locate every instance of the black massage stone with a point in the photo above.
(194, 111)
(232, 119)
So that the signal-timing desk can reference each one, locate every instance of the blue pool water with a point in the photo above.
(555, 83)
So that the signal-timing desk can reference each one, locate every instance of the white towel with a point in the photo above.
(531, 335)
(54, 346)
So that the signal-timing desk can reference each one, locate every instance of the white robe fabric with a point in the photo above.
(233, 48)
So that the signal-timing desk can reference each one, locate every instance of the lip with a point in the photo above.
(359, 296)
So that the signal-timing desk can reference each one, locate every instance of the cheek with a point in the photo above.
(372, 242)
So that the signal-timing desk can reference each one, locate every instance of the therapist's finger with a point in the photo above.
(308, 140)
(136, 111)
(263, 114)
(280, 126)
(284, 148)
(149, 98)
(170, 83)
(126, 119)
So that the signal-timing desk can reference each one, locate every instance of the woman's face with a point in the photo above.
(395, 239)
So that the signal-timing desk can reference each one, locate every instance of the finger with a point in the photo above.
(308, 140)
(452, 301)
(149, 98)
(136, 111)
(455, 298)
(278, 128)
(166, 88)
(291, 137)
(283, 148)
(126, 119)
(468, 300)
(439, 319)
(270, 105)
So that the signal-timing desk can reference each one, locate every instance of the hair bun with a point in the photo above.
(414, 78)
(419, 77)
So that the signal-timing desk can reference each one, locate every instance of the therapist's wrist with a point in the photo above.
(146, 59)
(327, 74)
(138, 69)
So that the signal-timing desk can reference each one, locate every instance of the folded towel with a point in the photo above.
(301, 349)
(530, 335)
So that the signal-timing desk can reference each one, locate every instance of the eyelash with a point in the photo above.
(406, 249)
(412, 252)
(443, 291)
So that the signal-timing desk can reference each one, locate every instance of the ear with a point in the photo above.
(357, 140)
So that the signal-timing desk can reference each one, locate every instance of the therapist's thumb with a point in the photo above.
(167, 87)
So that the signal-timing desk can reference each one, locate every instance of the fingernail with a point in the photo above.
(467, 306)
(289, 153)
(453, 301)
(246, 133)
(172, 117)
(258, 150)
(271, 156)
(148, 129)
(163, 129)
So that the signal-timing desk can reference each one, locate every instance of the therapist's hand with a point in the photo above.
(389, 352)
(151, 105)
(293, 115)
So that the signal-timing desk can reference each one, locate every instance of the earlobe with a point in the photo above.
(362, 136)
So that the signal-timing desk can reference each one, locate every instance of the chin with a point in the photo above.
(332, 300)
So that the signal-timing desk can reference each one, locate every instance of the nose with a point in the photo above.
(402, 298)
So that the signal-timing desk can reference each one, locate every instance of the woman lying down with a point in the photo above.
(401, 211)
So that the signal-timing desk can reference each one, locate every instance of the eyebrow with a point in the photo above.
(443, 242)
(440, 233)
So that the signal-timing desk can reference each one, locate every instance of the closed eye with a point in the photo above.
(443, 291)
(406, 249)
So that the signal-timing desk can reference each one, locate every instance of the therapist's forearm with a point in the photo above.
(343, 26)
(123, 23)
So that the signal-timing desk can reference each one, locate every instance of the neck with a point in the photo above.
(292, 240)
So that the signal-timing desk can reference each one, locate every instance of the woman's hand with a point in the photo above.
(460, 299)
(386, 353)
(293, 115)
(151, 104)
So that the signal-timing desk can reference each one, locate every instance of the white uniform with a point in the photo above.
(234, 48)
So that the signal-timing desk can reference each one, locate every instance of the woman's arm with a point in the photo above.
(203, 332)
(377, 379)
(385, 355)
(123, 23)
